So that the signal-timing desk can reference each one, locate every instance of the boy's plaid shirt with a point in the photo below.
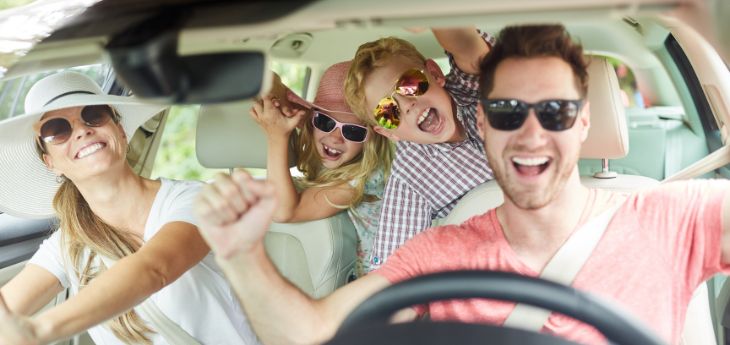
(427, 180)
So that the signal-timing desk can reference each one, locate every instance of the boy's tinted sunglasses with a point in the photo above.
(412, 82)
(58, 130)
(509, 114)
(351, 132)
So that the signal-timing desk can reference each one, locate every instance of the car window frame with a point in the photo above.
(707, 118)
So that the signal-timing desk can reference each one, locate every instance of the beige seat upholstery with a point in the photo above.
(316, 256)
(607, 139)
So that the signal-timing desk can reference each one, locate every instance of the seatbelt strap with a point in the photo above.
(711, 162)
(562, 268)
(168, 329)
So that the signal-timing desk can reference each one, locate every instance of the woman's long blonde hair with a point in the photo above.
(82, 232)
(377, 153)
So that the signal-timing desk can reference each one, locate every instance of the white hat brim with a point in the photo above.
(27, 186)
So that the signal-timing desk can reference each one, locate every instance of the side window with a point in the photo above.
(13, 91)
(630, 93)
(295, 76)
(176, 155)
(698, 104)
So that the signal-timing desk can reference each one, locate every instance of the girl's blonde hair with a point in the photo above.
(84, 232)
(377, 153)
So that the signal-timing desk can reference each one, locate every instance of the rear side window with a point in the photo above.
(631, 95)
(699, 100)
(295, 76)
(13, 91)
(176, 157)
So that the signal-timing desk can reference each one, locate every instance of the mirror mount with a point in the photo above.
(145, 58)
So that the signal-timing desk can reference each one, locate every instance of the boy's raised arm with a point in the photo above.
(465, 45)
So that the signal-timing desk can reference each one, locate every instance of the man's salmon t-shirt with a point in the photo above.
(660, 245)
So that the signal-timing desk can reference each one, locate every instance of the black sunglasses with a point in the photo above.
(351, 132)
(58, 130)
(509, 114)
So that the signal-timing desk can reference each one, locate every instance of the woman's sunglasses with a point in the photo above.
(58, 130)
(351, 132)
(509, 114)
(412, 82)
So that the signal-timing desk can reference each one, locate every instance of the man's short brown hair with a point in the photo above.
(531, 41)
(368, 57)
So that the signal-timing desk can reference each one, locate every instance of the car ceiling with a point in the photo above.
(112, 16)
(214, 25)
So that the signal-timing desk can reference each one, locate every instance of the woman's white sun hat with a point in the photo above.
(27, 186)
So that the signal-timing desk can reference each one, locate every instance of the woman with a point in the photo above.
(123, 239)
(343, 161)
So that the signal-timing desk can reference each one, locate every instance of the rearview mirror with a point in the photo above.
(150, 66)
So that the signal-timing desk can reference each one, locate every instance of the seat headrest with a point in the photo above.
(227, 137)
(608, 136)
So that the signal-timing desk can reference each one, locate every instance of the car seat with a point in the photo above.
(317, 256)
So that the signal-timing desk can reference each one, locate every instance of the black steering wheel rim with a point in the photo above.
(617, 326)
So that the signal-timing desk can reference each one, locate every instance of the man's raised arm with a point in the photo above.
(235, 212)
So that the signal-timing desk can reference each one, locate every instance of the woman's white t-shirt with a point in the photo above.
(200, 301)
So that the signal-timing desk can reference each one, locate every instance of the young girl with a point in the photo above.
(343, 161)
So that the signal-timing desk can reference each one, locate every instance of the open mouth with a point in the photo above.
(531, 166)
(90, 150)
(429, 121)
(331, 153)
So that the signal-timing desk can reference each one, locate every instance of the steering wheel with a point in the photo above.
(369, 322)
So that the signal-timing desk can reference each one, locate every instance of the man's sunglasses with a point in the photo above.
(412, 82)
(351, 132)
(509, 114)
(58, 130)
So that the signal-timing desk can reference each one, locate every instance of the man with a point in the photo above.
(432, 119)
(659, 246)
